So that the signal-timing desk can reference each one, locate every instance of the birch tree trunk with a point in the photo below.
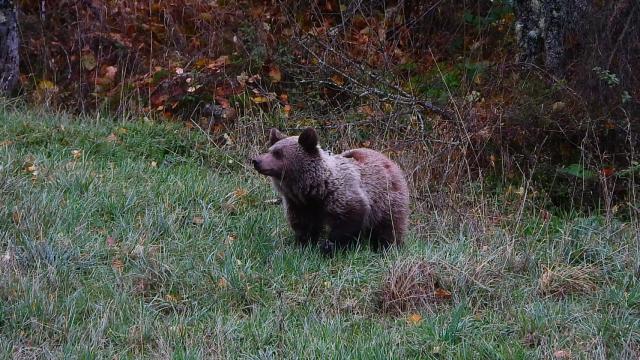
(9, 46)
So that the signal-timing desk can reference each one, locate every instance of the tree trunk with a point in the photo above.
(541, 26)
(9, 45)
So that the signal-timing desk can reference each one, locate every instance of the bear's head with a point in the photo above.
(287, 154)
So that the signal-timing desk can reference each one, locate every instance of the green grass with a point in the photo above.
(159, 244)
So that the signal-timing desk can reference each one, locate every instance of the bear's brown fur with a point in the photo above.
(358, 192)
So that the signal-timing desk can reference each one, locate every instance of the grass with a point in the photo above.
(143, 240)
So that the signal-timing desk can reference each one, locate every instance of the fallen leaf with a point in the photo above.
(337, 79)
(260, 99)
(171, 298)
(117, 265)
(562, 354)
(46, 85)
(231, 238)
(112, 137)
(558, 106)
(179, 71)
(219, 62)
(414, 319)
(275, 74)
(608, 171)
(442, 294)
(16, 216)
(240, 192)
(88, 62)
(222, 283)
(198, 220)
(154, 164)
(6, 143)
(76, 154)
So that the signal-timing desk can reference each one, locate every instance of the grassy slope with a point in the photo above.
(156, 288)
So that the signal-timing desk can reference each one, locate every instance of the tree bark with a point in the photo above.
(9, 46)
(541, 26)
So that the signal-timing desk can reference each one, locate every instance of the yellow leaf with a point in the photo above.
(275, 74)
(259, 99)
(414, 319)
(240, 192)
(154, 164)
(46, 85)
(171, 298)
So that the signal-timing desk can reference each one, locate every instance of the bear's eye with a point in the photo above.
(277, 153)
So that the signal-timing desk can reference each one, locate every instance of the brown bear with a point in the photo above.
(360, 192)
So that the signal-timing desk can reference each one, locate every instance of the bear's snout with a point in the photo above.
(256, 163)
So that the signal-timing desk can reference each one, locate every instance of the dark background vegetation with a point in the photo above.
(538, 94)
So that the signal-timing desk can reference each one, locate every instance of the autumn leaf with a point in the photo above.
(222, 283)
(260, 99)
(442, 294)
(414, 319)
(240, 192)
(608, 171)
(16, 216)
(337, 79)
(77, 154)
(46, 85)
(117, 265)
(198, 220)
(275, 74)
(171, 298)
(112, 137)
(562, 354)
(218, 63)
(5, 143)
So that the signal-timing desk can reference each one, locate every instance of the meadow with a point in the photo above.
(140, 239)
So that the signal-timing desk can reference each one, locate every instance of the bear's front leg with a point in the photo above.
(306, 224)
(345, 225)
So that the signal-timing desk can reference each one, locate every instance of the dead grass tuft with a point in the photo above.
(562, 280)
(410, 286)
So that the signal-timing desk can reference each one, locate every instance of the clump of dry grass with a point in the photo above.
(412, 285)
(562, 280)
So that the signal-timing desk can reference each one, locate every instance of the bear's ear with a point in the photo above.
(275, 136)
(308, 140)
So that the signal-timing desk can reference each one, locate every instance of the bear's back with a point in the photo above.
(383, 181)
